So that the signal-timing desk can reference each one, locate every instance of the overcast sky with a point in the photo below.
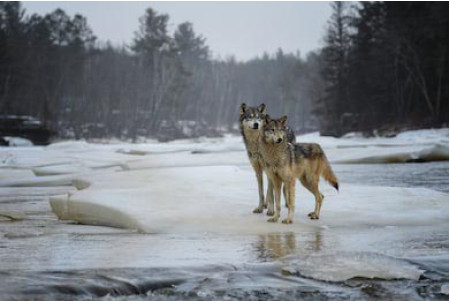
(242, 29)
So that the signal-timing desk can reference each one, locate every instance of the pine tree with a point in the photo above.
(335, 54)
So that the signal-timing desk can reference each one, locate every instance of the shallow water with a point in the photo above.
(43, 258)
(432, 175)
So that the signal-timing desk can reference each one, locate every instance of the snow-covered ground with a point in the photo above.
(188, 204)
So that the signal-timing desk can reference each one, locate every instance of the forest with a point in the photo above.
(382, 68)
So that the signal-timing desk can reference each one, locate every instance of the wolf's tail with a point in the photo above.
(328, 174)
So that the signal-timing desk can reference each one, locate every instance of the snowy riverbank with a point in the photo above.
(188, 203)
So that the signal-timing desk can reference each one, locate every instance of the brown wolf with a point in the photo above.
(285, 162)
(251, 121)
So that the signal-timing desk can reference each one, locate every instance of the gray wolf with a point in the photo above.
(251, 122)
(284, 163)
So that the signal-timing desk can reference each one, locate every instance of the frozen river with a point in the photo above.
(384, 236)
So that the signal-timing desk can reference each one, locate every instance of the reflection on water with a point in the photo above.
(271, 247)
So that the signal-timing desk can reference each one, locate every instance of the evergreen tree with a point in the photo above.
(335, 54)
(12, 52)
(192, 56)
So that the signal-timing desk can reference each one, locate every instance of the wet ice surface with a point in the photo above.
(43, 258)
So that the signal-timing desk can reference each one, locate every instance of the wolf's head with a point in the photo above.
(252, 118)
(275, 130)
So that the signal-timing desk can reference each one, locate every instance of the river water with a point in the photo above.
(42, 258)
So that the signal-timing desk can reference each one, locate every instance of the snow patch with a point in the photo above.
(423, 145)
(63, 169)
(16, 141)
(65, 145)
(392, 154)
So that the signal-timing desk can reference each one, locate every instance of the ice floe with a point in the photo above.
(220, 199)
(9, 173)
(419, 145)
(347, 265)
(16, 194)
(12, 214)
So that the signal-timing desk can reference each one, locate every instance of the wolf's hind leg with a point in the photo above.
(313, 187)
(259, 177)
(269, 198)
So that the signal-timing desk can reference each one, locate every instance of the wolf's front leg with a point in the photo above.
(269, 197)
(290, 200)
(277, 186)
(285, 194)
(259, 177)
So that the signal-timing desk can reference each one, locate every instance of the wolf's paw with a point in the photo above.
(287, 221)
(257, 210)
(274, 219)
(270, 212)
(313, 216)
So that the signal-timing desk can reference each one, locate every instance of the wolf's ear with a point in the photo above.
(262, 109)
(267, 119)
(242, 108)
(283, 120)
